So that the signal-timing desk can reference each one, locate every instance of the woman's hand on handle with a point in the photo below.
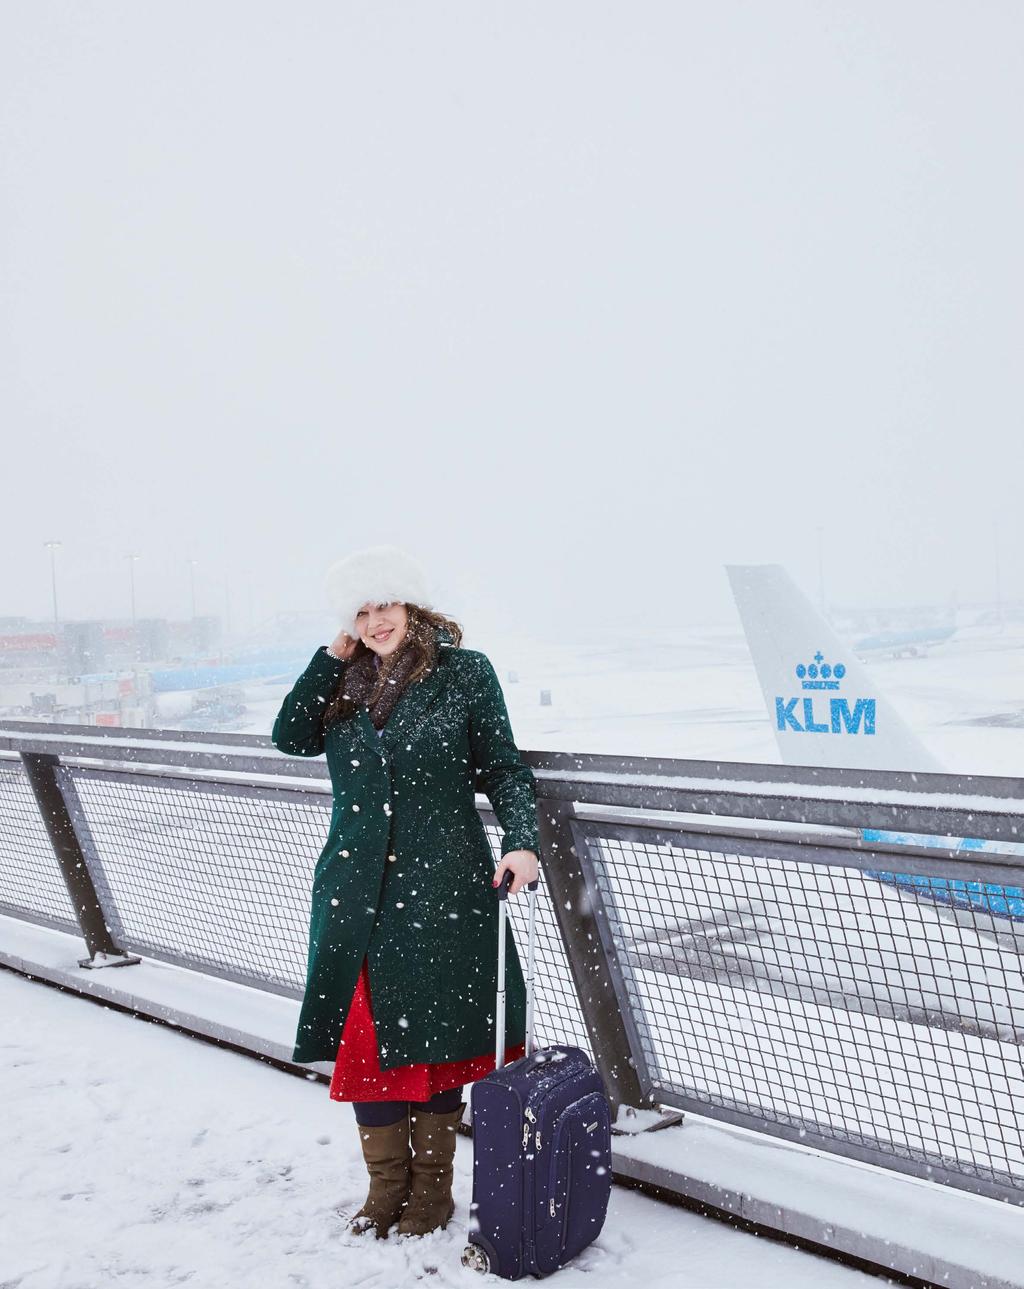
(523, 863)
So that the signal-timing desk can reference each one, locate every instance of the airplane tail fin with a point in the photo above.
(824, 707)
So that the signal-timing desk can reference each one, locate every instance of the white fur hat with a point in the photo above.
(378, 574)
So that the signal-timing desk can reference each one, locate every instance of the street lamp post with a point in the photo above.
(53, 580)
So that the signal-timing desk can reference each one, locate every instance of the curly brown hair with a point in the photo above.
(419, 636)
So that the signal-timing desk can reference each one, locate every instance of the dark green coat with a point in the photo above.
(405, 874)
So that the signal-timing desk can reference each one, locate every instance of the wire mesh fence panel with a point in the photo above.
(557, 1015)
(215, 876)
(31, 885)
(865, 1013)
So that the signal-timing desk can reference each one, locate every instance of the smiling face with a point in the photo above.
(375, 621)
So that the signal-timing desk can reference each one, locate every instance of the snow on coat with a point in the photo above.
(405, 875)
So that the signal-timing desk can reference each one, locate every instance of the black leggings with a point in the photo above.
(378, 1114)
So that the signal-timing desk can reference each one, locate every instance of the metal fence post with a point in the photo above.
(584, 947)
(41, 770)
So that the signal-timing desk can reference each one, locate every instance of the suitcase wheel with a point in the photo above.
(475, 1258)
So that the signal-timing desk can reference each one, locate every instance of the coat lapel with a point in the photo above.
(414, 707)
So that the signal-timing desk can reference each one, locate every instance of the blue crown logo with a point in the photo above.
(820, 674)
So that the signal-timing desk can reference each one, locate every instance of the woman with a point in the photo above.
(403, 944)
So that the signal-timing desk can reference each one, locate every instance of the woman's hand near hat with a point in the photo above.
(342, 646)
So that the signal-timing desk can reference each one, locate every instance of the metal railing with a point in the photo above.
(719, 937)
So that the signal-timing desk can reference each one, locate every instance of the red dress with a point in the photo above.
(357, 1074)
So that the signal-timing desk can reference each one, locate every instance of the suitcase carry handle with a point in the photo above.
(499, 1039)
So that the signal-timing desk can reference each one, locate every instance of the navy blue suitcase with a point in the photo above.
(542, 1157)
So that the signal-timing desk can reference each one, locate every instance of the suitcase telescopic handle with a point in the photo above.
(499, 1039)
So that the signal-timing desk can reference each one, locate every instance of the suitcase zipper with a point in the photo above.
(529, 1174)
(531, 1118)
(559, 1137)
(565, 1212)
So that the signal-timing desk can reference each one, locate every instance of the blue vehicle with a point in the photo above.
(985, 897)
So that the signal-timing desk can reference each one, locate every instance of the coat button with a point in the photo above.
(392, 858)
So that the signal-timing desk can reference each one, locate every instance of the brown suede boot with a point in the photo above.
(388, 1158)
(430, 1197)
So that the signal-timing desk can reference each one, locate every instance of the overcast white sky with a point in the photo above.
(576, 301)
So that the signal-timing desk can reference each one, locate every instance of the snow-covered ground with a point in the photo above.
(132, 1155)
